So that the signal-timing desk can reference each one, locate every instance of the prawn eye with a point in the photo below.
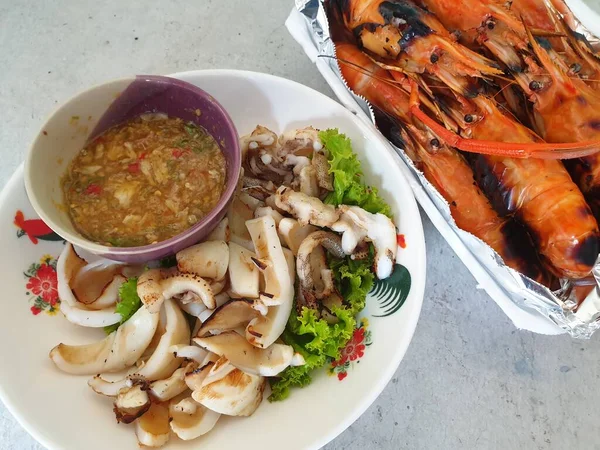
(575, 67)
(434, 58)
(469, 118)
(435, 142)
(535, 85)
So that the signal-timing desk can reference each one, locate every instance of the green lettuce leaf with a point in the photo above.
(354, 279)
(129, 302)
(314, 338)
(317, 341)
(347, 176)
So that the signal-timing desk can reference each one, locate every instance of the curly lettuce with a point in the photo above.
(347, 176)
(318, 341)
(129, 302)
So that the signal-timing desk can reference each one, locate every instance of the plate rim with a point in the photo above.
(419, 278)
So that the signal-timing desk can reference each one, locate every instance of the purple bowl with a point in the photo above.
(132, 97)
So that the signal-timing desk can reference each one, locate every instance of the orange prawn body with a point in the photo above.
(535, 13)
(443, 166)
(490, 24)
(541, 193)
(570, 110)
(566, 108)
(538, 192)
(403, 35)
(506, 35)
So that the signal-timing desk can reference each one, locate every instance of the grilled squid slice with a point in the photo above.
(68, 266)
(316, 279)
(268, 211)
(97, 284)
(356, 224)
(163, 361)
(243, 273)
(152, 429)
(117, 351)
(220, 300)
(132, 402)
(292, 233)
(208, 260)
(305, 175)
(308, 182)
(305, 208)
(230, 316)
(189, 419)
(237, 215)
(195, 378)
(230, 391)
(192, 352)
(267, 362)
(291, 264)
(258, 189)
(157, 285)
(164, 390)
(84, 317)
(321, 165)
(191, 304)
(221, 232)
(264, 330)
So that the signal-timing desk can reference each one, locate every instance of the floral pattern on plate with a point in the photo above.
(42, 286)
(354, 350)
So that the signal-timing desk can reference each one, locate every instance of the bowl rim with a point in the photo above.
(96, 248)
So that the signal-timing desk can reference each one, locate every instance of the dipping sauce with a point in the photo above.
(144, 181)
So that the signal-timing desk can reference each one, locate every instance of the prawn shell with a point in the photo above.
(450, 174)
(445, 168)
(542, 195)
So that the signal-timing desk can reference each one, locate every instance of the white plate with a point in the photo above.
(62, 412)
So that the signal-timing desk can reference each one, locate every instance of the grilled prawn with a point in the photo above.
(443, 166)
(404, 38)
(411, 39)
(539, 192)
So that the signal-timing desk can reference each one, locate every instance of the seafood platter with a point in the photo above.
(200, 256)
(494, 108)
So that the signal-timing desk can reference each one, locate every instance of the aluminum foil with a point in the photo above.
(528, 301)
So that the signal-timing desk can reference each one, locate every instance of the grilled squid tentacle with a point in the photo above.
(316, 279)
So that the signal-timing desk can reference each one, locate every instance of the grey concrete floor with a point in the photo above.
(469, 379)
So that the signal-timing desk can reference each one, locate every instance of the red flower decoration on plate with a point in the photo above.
(354, 350)
(42, 286)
